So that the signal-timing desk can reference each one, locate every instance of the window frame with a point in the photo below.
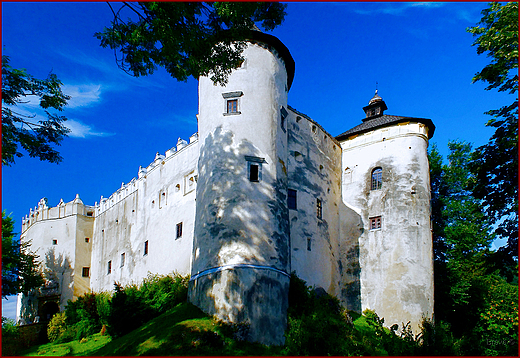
(85, 272)
(376, 178)
(178, 230)
(375, 223)
(254, 162)
(232, 98)
(295, 201)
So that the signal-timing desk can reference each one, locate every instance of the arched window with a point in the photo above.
(377, 179)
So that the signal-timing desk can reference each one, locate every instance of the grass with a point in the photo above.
(85, 347)
(183, 331)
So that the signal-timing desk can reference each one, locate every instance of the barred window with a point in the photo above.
(375, 223)
(377, 179)
(319, 209)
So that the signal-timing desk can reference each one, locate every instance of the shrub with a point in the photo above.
(316, 323)
(57, 326)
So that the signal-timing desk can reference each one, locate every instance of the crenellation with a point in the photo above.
(43, 212)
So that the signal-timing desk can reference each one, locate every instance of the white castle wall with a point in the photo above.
(314, 156)
(57, 235)
(396, 261)
(148, 209)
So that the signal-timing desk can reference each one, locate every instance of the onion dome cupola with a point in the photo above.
(376, 107)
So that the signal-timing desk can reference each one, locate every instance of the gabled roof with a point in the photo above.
(385, 120)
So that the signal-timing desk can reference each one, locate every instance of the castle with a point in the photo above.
(260, 191)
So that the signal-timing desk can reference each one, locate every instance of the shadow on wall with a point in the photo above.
(42, 303)
(240, 223)
(350, 270)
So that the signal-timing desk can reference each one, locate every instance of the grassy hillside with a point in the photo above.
(182, 331)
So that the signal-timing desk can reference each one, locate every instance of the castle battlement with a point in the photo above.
(127, 189)
(43, 212)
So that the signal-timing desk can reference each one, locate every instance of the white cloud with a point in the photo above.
(81, 130)
(83, 95)
(396, 8)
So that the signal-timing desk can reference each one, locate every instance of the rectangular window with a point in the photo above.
(253, 172)
(109, 268)
(232, 106)
(122, 259)
(309, 242)
(291, 199)
(87, 239)
(145, 248)
(375, 223)
(319, 209)
(179, 230)
(85, 272)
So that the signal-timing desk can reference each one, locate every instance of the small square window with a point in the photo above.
(292, 199)
(87, 239)
(122, 259)
(55, 241)
(375, 223)
(109, 268)
(145, 248)
(179, 230)
(232, 106)
(90, 213)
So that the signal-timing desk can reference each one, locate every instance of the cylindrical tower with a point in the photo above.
(386, 180)
(240, 261)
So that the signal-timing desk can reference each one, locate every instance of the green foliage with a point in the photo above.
(498, 325)
(186, 38)
(495, 164)
(35, 137)
(20, 268)
(56, 326)
(498, 37)
(132, 306)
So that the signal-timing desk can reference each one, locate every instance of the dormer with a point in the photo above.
(376, 107)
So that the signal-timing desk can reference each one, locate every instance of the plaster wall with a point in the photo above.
(147, 209)
(242, 225)
(313, 159)
(57, 236)
(396, 263)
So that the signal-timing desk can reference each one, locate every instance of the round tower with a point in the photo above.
(386, 180)
(240, 260)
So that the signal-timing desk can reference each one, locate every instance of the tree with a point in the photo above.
(187, 38)
(37, 137)
(495, 164)
(20, 268)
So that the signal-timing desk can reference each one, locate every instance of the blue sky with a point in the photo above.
(419, 54)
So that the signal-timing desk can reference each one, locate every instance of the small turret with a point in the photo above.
(376, 107)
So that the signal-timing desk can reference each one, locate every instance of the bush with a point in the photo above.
(316, 323)
(57, 326)
(132, 306)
